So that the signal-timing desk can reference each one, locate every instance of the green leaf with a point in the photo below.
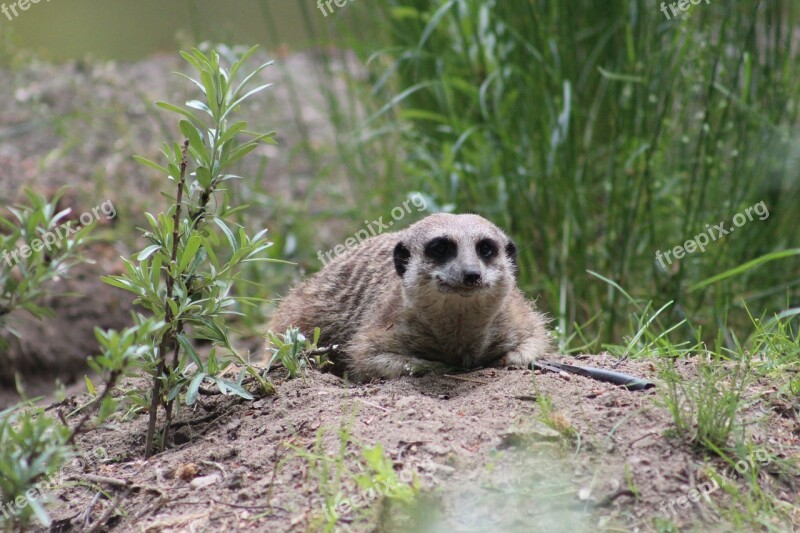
(239, 390)
(235, 104)
(434, 22)
(204, 177)
(39, 511)
(175, 391)
(232, 131)
(745, 267)
(121, 283)
(421, 114)
(211, 92)
(239, 153)
(620, 77)
(191, 132)
(155, 271)
(190, 251)
(317, 333)
(399, 98)
(147, 252)
(200, 106)
(249, 78)
(191, 60)
(175, 109)
(90, 386)
(194, 388)
(212, 366)
(268, 138)
(209, 248)
(189, 349)
(151, 164)
(227, 231)
(241, 61)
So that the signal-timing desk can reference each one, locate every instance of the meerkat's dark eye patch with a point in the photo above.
(441, 249)
(486, 248)
(401, 258)
(511, 252)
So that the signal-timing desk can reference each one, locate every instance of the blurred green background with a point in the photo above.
(596, 133)
(74, 29)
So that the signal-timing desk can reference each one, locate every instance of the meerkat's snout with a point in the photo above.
(461, 266)
(472, 277)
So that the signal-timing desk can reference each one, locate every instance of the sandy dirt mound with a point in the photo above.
(478, 446)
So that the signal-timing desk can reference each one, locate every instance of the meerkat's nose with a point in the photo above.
(472, 277)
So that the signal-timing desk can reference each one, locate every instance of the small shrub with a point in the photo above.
(32, 449)
(28, 259)
(295, 352)
(704, 409)
(181, 277)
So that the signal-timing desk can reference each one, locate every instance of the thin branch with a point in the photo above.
(169, 337)
(470, 380)
(109, 386)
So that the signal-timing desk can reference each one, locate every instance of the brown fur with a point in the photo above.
(393, 310)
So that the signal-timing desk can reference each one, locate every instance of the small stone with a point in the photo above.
(444, 469)
(437, 449)
(205, 481)
(406, 401)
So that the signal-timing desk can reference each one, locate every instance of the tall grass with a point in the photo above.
(597, 133)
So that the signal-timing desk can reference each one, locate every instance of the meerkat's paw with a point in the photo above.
(525, 354)
(519, 359)
(390, 366)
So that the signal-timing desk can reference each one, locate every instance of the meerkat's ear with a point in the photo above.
(511, 252)
(401, 257)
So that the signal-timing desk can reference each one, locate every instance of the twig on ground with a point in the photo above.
(111, 508)
(106, 480)
(526, 398)
(87, 513)
(110, 384)
(608, 500)
(376, 406)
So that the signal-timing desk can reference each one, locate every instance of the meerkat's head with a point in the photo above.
(455, 255)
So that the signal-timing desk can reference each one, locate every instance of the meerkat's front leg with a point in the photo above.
(529, 350)
(375, 354)
(389, 366)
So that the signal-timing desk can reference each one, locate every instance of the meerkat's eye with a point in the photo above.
(441, 249)
(487, 248)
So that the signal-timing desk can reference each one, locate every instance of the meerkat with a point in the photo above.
(441, 293)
